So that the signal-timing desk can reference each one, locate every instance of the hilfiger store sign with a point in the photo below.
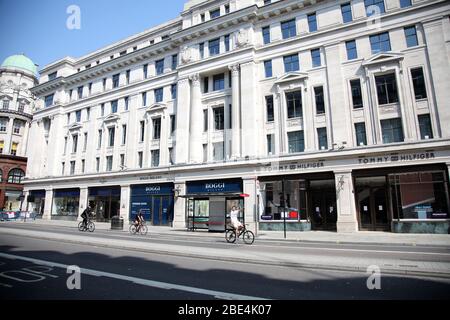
(398, 158)
(294, 166)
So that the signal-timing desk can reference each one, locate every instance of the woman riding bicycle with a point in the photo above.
(237, 225)
(138, 220)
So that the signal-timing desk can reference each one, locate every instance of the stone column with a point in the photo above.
(84, 194)
(182, 120)
(195, 137)
(249, 186)
(235, 112)
(345, 199)
(48, 204)
(179, 208)
(125, 198)
(9, 135)
(23, 147)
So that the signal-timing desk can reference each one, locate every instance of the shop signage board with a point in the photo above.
(206, 187)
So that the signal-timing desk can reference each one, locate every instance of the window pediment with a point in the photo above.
(292, 77)
(75, 126)
(383, 57)
(156, 107)
(111, 118)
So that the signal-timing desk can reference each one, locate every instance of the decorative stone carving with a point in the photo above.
(234, 69)
(195, 78)
(186, 55)
(242, 38)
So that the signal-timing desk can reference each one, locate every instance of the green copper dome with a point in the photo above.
(20, 62)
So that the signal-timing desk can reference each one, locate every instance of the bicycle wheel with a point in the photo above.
(91, 227)
(143, 230)
(81, 226)
(132, 229)
(230, 236)
(249, 237)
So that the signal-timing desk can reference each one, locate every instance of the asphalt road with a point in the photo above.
(32, 268)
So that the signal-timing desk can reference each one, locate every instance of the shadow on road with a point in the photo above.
(246, 279)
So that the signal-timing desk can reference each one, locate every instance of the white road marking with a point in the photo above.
(5, 285)
(145, 282)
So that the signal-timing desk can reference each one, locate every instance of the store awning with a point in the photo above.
(209, 195)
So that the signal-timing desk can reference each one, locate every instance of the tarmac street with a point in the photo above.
(37, 261)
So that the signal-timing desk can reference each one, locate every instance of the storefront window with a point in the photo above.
(106, 202)
(276, 204)
(66, 203)
(419, 195)
(38, 202)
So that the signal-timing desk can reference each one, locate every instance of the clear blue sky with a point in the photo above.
(38, 29)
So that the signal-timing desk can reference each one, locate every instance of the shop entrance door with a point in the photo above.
(322, 205)
(373, 209)
(161, 211)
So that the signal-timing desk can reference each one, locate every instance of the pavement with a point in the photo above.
(366, 237)
(417, 255)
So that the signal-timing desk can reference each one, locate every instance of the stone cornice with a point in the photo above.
(249, 14)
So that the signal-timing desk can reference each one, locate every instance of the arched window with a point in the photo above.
(15, 176)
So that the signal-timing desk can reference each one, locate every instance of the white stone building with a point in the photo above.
(17, 77)
(307, 114)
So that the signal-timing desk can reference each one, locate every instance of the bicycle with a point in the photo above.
(246, 235)
(142, 229)
(89, 226)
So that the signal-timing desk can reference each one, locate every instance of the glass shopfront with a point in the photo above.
(106, 201)
(419, 195)
(155, 202)
(301, 203)
(404, 200)
(12, 201)
(36, 202)
(66, 204)
(210, 202)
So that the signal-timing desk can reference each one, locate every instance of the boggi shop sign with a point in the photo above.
(214, 186)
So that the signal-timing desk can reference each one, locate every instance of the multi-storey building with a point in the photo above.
(17, 77)
(307, 114)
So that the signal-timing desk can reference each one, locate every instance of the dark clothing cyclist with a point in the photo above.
(86, 215)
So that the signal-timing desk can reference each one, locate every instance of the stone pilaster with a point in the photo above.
(48, 204)
(249, 186)
(235, 112)
(345, 198)
(83, 201)
(179, 214)
(195, 137)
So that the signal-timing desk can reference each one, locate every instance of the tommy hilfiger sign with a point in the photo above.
(294, 166)
(398, 158)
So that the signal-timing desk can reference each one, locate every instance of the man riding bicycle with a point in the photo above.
(86, 214)
(139, 220)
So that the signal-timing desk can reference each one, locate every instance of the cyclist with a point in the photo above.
(86, 215)
(237, 225)
(138, 220)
